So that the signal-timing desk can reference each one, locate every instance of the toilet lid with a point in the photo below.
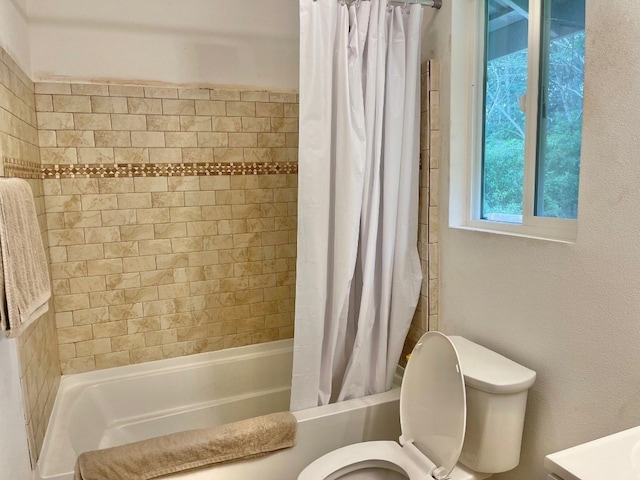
(433, 407)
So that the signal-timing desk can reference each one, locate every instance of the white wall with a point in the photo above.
(235, 42)
(570, 312)
(14, 34)
(14, 452)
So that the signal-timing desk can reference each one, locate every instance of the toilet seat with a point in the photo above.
(382, 454)
(432, 417)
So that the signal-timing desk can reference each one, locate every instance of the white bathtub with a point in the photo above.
(111, 407)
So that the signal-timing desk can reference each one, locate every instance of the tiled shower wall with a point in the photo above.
(19, 157)
(172, 219)
(426, 317)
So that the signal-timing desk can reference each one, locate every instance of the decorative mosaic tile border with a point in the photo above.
(165, 170)
(14, 167)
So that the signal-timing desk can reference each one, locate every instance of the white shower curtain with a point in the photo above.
(358, 272)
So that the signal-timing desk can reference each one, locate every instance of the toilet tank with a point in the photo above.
(496, 390)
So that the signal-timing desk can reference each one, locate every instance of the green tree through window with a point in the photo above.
(559, 115)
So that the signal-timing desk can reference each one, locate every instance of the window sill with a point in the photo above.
(567, 235)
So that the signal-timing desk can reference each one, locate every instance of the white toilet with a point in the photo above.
(450, 386)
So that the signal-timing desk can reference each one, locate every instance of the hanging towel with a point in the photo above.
(24, 273)
(182, 451)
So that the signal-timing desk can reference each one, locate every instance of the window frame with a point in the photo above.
(560, 229)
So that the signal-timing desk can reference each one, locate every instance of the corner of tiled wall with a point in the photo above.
(426, 316)
(20, 157)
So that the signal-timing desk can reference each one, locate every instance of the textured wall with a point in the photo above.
(568, 311)
(172, 219)
(222, 42)
(19, 157)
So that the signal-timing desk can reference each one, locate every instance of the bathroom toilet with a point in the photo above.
(462, 412)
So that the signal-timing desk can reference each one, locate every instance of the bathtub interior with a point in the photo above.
(126, 404)
(121, 405)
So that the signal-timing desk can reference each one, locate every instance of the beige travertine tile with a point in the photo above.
(125, 91)
(194, 93)
(106, 299)
(47, 138)
(131, 155)
(134, 200)
(95, 155)
(250, 124)
(167, 199)
(75, 334)
(224, 94)
(92, 121)
(73, 138)
(89, 89)
(93, 347)
(178, 107)
(59, 155)
(44, 103)
(243, 140)
(157, 92)
(110, 329)
(212, 139)
(181, 139)
(102, 234)
(139, 264)
(283, 97)
(148, 184)
(112, 139)
(122, 281)
(128, 122)
(254, 96)
(109, 105)
(291, 110)
(99, 202)
(143, 325)
(71, 103)
(226, 124)
(55, 121)
(284, 125)
(210, 107)
(165, 155)
(128, 342)
(269, 109)
(163, 123)
(147, 139)
(144, 106)
(78, 365)
(115, 185)
(90, 316)
(147, 354)
(197, 155)
(110, 360)
(53, 88)
(271, 140)
(152, 215)
(195, 124)
(137, 232)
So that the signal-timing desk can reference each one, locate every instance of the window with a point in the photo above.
(527, 122)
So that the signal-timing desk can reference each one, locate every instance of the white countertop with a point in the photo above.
(615, 457)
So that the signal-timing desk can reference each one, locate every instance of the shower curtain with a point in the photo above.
(358, 272)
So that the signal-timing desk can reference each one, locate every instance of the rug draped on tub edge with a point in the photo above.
(182, 451)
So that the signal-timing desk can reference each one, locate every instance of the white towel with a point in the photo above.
(24, 278)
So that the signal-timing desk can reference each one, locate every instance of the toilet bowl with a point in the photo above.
(433, 417)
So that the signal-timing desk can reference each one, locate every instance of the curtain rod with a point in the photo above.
(425, 3)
